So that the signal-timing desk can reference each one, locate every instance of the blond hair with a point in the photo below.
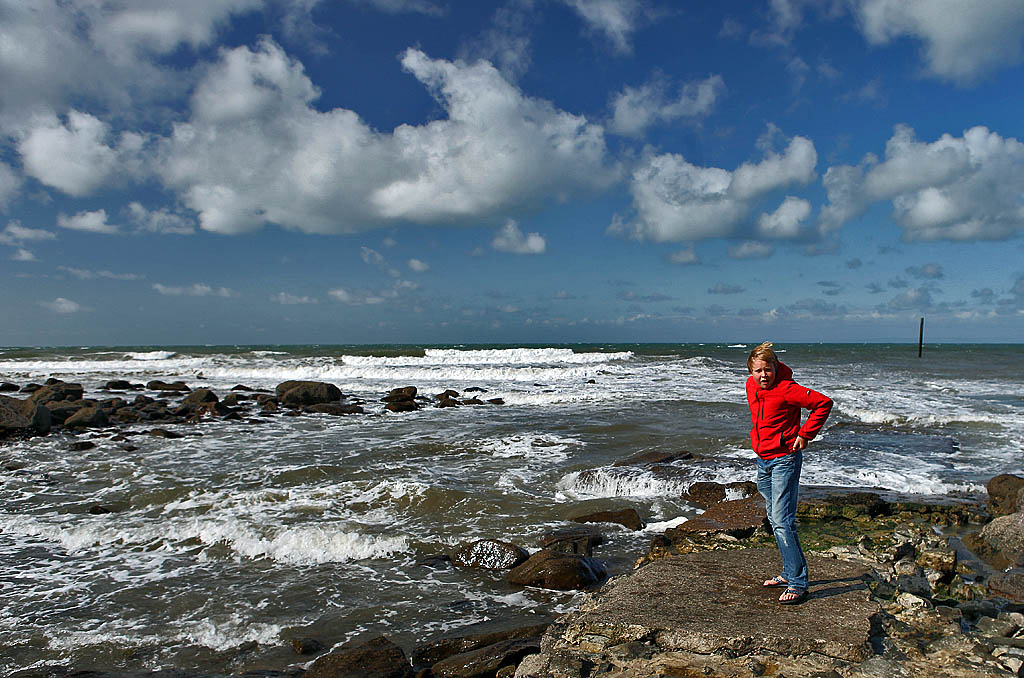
(763, 352)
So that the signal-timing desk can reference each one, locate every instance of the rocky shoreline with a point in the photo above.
(902, 588)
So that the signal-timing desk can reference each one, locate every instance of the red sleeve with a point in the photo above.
(819, 405)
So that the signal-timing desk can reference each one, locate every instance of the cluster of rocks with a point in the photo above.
(891, 595)
(57, 404)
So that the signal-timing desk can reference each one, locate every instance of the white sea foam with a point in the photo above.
(529, 445)
(151, 355)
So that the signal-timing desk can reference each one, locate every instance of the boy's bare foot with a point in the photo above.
(775, 582)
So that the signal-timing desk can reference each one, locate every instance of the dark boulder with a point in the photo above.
(57, 391)
(82, 445)
(579, 540)
(1002, 494)
(448, 393)
(626, 517)
(200, 396)
(472, 401)
(298, 394)
(490, 554)
(739, 518)
(20, 416)
(159, 385)
(400, 394)
(374, 658)
(31, 388)
(164, 433)
(8, 387)
(486, 661)
(432, 652)
(705, 493)
(495, 401)
(121, 385)
(448, 401)
(656, 457)
(402, 406)
(307, 646)
(559, 571)
(334, 409)
(88, 417)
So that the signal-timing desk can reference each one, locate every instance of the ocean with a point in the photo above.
(226, 544)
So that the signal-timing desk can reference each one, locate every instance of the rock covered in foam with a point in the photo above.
(490, 554)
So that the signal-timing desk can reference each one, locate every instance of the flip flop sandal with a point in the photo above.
(775, 582)
(801, 596)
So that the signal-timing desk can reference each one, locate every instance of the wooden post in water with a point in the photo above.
(920, 339)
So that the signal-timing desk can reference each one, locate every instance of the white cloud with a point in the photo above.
(61, 305)
(58, 53)
(402, 6)
(635, 109)
(329, 172)
(10, 184)
(617, 19)
(687, 256)
(195, 290)
(419, 266)
(785, 221)
(751, 249)
(368, 298)
(962, 41)
(15, 234)
(159, 221)
(955, 188)
(376, 259)
(290, 299)
(92, 222)
(75, 157)
(85, 274)
(22, 254)
(676, 200)
(510, 239)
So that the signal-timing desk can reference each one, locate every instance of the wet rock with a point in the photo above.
(31, 388)
(654, 457)
(121, 385)
(1002, 494)
(581, 540)
(19, 416)
(56, 391)
(490, 554)
(1001, 627)
(704, 493)
(941, 559)
(434, 651)
(559, 571)
(475, 389)
(400, 394)
(626, 517)
(448, 393)
(88, 417)
(1009, 584)
(448, 401)
(200, 396)
(472, 401)
(307, 646)
(496, 401)
(374, 658)
(82, 445)
(164, 433)
(8, 387)
(159, 385)
(298, 394)
(737, 518)
(402, 406)
(334, 409)
(99, 510)
(851, 506)
(486, 661)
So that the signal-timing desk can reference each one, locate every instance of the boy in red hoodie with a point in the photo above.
(779, 440)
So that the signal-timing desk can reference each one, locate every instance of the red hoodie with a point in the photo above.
(775, 413)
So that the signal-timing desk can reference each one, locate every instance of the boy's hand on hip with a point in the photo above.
(799, 444)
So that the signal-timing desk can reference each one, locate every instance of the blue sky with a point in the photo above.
(431, 171)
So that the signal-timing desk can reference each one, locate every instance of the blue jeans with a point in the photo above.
(778, 481)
